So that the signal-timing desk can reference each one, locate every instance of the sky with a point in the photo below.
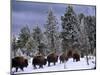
(35, 13)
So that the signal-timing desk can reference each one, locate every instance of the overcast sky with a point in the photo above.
(33, 13)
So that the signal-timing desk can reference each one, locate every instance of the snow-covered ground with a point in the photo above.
(69, 65)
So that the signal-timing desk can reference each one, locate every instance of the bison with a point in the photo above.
(63, 57)
(19, 62)
(72, 53)
(76, 56)
(69, 53)
(39, 60)
(66, 55)
(52, 58)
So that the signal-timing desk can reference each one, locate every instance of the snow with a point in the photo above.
(69, 65)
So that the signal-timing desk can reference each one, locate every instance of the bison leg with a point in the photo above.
(60, 61)
(77, 60)
(35, 66)
(54, 63)
(16, 69)
(63, 61)
(21, 68)
(48, 63)
(73, 60)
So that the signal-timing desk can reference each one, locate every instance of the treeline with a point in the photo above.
(78, 32)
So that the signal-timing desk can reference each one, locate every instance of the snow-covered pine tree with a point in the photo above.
(82, 34)
(14, 46)
(90, 28)
(69, 29)
(90, 23)
(24, 35)
(37, 36)
(30, 46)
(51, 30)
(83, 38)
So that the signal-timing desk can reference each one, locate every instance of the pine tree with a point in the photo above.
(38, 36)
(23, 37)
(69, 29)
(30, 45)
(82, 34)
(51, 30)
(84, 40)
(14, 45)
(87, 35)
(90, 23)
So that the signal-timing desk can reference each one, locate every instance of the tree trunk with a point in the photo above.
(87, 60)
(52, 43)
(64, 64)
(14, 53)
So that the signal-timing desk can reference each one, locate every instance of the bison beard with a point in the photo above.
(19, 62)
(52, 58)
(39, 60)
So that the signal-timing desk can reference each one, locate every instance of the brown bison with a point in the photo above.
(52, 58)
(63, 57)
(69, 53)
(72, 53)
(66, 55)
(76, 56)
(19, 62)
(39, 60)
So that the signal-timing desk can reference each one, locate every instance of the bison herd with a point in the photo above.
(40, 60)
